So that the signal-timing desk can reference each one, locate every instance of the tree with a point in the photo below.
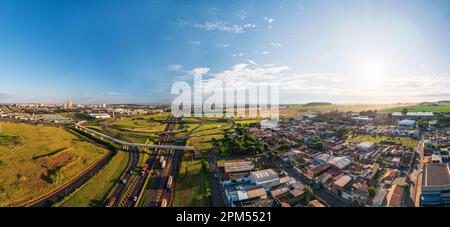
(405, 186)
(423, 125)
(308, 193)
(404, 111)
(320, 185)
(371, 191)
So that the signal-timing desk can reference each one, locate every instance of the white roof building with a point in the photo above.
(365, 146)
(407, 123)
(267, 178)
(341, 162)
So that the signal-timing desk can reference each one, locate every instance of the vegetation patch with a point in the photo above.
(48, 154)
(402, 141)
(192, 187)
(439, 108)
(7, 140)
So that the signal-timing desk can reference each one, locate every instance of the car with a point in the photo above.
(124, 181)
(131, 171)
(135, 199)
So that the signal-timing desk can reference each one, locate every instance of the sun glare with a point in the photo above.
(373, 73)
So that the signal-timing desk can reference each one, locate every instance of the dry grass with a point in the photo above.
(27, 167)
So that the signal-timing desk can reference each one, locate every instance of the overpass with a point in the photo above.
(128, 145)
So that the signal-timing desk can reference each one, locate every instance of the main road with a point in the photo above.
(128, 145)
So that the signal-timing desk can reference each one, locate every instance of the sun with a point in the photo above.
(373, 72)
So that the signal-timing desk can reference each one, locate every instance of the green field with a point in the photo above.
(191, 185)
(404, 141)
(343, 107)
(419, 108)
(38, 159)
(95, 191)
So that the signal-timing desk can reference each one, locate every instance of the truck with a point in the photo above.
(111, 202)
(164, 202)
(169, 182)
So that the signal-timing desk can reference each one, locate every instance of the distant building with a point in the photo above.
(362, 119)
(407, 124)
(413, 114)
(365, 146)
(435, 185)
(99, 115)
(69, 104)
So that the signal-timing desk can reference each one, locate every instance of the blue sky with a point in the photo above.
(133, 51)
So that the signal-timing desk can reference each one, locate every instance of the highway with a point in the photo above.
(157, 190)
(128, 145)
(135, 183)
(119, 191)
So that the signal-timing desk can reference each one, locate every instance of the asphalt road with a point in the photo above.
(217, 199)
(129, 144)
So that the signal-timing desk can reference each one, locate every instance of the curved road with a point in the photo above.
(128, 144)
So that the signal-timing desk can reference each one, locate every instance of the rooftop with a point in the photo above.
(394, 197)
(232, 167)
(436, 174)
(365, 144)
(341, 162)
(264, 175)
(407, 122)
(343, 181)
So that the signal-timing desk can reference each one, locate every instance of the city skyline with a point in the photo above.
(113, 52)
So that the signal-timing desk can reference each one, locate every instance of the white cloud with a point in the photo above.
(252, 62)
(222, 45)
(174, 67)
(240, 75)
(238, 55)
(333, 87)
(269, 20)
(217, 26)
(195, 42)
(241, 15)
(200, 71)
(276, 45)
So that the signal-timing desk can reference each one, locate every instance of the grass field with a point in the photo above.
(40, 161)
(407, 142)
(203, 142)
(419, 108)
(95, 191)
(343, 107)
(191, 185)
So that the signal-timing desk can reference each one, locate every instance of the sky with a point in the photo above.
(118, 51)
